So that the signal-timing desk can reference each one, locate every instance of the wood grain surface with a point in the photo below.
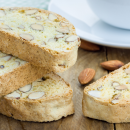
(86, 59)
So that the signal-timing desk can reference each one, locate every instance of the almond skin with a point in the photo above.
(112, 64)
(86, 76)
(89, 46)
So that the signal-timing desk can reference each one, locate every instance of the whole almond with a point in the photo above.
(112, 64)
(89, 46)
(86, 75)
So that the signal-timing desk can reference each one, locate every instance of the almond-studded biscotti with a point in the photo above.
(46, 99)
(109, 97)
(38, 36)
(16, 73)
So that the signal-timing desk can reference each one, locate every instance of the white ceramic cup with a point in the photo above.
(114, 12)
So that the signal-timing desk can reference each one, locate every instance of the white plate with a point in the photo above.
(88, 26)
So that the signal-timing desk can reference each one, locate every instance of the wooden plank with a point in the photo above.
(14, 124)
(123, 126)
(4, 124)
(41, 126)
(118, 54)
(124, 56)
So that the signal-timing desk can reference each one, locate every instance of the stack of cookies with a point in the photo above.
(46, 43)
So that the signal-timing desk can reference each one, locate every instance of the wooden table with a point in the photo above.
(77, 121)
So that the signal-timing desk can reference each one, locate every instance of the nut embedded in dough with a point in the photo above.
(71, 38)
(95, 93)
(52, 17)
(5, 27)
(13, 95)
(63, 30)
(26, 36)
(59, 36)
(38, 17)
(121, 87)
(26, 88)
(36, 95)
(30, 12)
(37, 27)
(21, 26)
(6, 58)
(51, 40)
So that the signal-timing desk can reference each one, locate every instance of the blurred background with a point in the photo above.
(43, 4)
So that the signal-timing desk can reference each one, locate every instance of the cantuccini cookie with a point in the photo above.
(46, 99)
(109, 97)
(38, 36)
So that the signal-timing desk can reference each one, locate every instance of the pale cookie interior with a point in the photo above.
(43, 29)
(114, 89)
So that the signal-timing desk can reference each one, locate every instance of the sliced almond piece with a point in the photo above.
(121, 87)
(26, 88)
(21, 26)
(52, 17)
(115, 83)
(115, 101)
(116, 98)
(95, 93)
(13, 95)
(2, 13)
(5, 27)
(86, 75)
(36, 95)
(37, 27)
(63, 30)
(99, 87)
(71, 38)
(43, 43)
(26, 36)
(51, 40)
(1, 66)
(59, 36)
(127, 71)
(6, 58)
(38, 17)
(12, 9)
(30, 12)
(112, 64)
(63, 23)
(17, 62)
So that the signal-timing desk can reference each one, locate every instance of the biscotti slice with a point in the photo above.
(109, 97)
(38, 36)
(46, 99)
(16, 73)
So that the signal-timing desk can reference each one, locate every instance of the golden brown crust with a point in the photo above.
(19, 77)
(104, 110)
(39, 56)
(43, 109)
